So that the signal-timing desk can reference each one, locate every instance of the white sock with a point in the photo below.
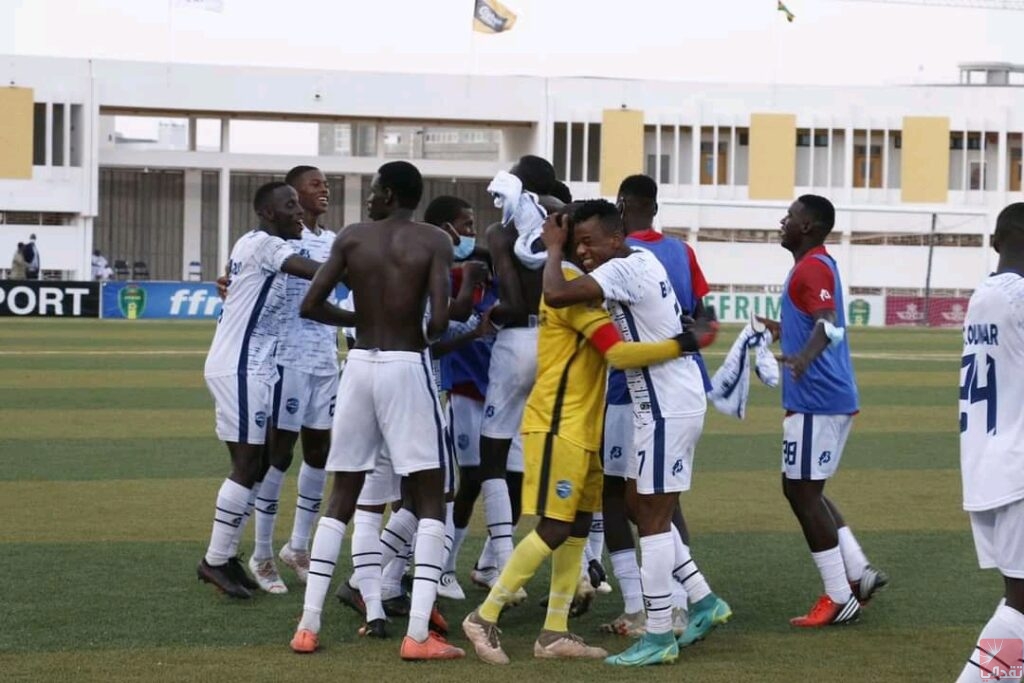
(498, 512)
(391, 579)
(486, 559)
(853, 557)
(833, 574)
(266, 513)
(686, 572)
(595, 541)
(680, 599)
(627, 573)
(366, 553)
(449, 532)
(323, 557)
(656, 574)
(232, 499)
(1007, 623)
(250, 503)
(307, 505)
(458, 537)
(429, 549)
(397, 535)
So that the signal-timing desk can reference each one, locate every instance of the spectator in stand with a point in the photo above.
(31, 254)
(101, 269)
(18, 263)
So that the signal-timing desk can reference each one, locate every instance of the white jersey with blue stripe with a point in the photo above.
(992, 393)
(644, 308)
(250, 320)
(306, 345)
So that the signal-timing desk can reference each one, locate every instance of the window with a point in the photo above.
(863, 176)
(665, 167)
(977, 175)
(1015, 161)
(57, 134)
(343, 139)
(956, 140)
(707, 163)
(803, 138)
(39, 134)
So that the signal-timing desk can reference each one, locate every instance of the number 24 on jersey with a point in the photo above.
(975, 367)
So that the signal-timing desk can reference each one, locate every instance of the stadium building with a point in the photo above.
(918, 172)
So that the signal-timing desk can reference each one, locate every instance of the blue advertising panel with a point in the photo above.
(179, 300)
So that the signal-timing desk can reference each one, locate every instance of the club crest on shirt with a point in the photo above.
(563, 489)
(463, 441)
(260, 419)
(292, 406)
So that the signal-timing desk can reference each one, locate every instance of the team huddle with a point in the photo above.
(551, 369)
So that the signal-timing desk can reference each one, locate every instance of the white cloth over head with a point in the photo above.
(521, 207)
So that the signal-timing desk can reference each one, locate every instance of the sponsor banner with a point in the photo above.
(940, 311)
(180, 300)
(738, 307)
(37, 298)
(865, 311)
(861, 311)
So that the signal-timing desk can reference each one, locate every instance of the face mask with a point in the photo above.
(464, 249)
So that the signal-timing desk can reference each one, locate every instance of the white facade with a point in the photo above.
(680, 119)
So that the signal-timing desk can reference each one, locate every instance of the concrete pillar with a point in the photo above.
(354, 200)
(192, 235)
(223, 219)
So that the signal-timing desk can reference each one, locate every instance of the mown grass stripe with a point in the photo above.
(125, 510)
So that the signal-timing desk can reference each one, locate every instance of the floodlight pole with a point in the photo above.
(928, 272)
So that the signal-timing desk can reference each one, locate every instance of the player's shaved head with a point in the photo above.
(537, 174)
(404, 181)
(639, 186)
(819, 212)
(605, 212)
(294, 175)
(561, 191)
(261, 200)
(1009, 232)
(444, 209)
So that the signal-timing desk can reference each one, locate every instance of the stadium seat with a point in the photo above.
(140, 271)
(195, 271)
(121, 271)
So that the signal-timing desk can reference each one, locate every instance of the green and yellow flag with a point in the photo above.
(490, 16)
(785, 10)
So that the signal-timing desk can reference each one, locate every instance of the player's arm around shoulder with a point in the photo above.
(511, 305)
(561, 291)
(439, 283)
(315, 305)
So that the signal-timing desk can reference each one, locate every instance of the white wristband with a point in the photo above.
(834, 334)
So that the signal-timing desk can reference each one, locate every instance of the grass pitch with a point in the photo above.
(110, 469)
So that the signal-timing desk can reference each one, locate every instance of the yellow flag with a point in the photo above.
(785, 10)
(490, 16)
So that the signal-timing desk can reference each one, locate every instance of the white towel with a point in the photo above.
(731, 383)
(522, 207)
